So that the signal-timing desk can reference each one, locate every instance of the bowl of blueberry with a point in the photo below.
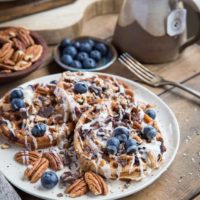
(85, 54)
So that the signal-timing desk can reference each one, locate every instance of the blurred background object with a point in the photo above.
(12, 9)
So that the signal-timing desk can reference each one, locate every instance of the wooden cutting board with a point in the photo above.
(66, 21)
(14, 9)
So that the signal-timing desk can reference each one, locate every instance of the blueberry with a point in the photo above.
(113, 142)
(64, 43)
(111, 149)
(38, 130)
(121, 130)
(67, 60)
(151, 113)
(122, 138)
(16, 93)
(96, 55)
(149, 132)
(76, 64)
(70, 50)
(130, 142)
(17, 104)
(131, 149)
(80, 88)
(49, 179)
(81, 56)
(77, 44)
(91, 42)
(86, 47)
(102, 48)
(89, 63)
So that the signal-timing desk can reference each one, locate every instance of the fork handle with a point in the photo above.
(183, 87)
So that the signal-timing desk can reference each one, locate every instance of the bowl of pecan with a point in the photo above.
(21, 52)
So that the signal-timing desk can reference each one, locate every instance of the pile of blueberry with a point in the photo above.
(121, 136)
(84, 54)
(16, 99)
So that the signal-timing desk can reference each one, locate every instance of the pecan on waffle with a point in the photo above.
(82, 90)
(111, 139)
(32, 117)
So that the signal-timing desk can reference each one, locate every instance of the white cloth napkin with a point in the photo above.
(7, 192)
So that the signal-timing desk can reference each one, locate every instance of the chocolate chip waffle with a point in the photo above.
(129, 156)
(80, 91)
(32, 117)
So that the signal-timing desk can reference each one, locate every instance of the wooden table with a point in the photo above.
(182, 179)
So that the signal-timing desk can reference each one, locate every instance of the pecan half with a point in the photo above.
(18, 44)
(27, 157)
(6, 52)
(78, 188)
(35, 171)
(9, 62)
(21, 65)
(33, 53)
(4, 38)
(25, 37)
(54, 159)
(96, 183)
(18, 56)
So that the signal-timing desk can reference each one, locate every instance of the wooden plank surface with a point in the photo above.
(182, 180)
(16, 9)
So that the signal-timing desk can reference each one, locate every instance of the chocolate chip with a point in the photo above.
(3, 122)
(60, 195)
(54, 82)
(162, 148)
(46, 111)
(68, 178)
(95, 90)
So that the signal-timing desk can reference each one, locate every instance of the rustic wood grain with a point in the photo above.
(13, 10)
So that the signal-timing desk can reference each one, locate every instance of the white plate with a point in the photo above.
(169, 127)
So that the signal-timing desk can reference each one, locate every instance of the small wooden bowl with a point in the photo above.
(103, 64)
(16, 75)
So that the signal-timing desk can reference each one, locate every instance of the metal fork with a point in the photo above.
(149, 77)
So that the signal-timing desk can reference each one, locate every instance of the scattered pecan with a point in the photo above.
(96, 183)
(33, 53)
(9, 62)
(68, 178)
(24, 35)
(35, 171)
(11, 32)
(18, 56)
(6, 52)
(4, 38)
(4, 146)
(21, 65)
(18, 44)
(54, 159)
(27, 157)
(78, 188)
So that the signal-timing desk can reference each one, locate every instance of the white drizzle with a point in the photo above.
(60, 92)
(10, 127)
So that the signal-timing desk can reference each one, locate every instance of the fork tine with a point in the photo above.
(135, 69)
(138, 73)
(139, 66)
